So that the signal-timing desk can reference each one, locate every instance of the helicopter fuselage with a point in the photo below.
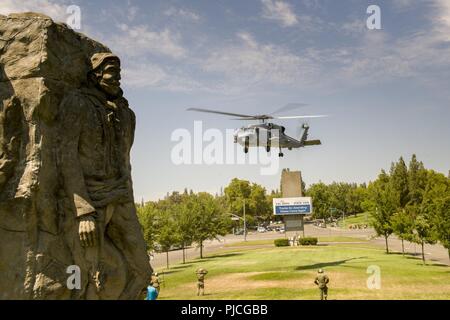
(265, 135)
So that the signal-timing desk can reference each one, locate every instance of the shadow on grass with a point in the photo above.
(217, 256)
(182, 266)
(326, 264)
(418, 258)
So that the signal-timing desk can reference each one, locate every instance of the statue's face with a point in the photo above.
(110, 78)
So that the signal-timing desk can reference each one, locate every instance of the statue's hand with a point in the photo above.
(87, 231)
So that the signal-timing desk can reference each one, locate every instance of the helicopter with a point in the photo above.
(267, 134)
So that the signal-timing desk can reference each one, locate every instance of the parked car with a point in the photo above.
(261, 229)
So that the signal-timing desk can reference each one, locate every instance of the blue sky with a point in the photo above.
(386, 91)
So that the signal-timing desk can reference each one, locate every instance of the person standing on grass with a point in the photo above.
(155, 281)
(152, 293)
(201, 281)
(322, 281)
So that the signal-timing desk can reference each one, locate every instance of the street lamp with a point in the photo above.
(245, 222)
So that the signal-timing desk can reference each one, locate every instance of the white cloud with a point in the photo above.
(152, 76)
(183, 13)
(138, 40)
(132, 12)
(443, 13)
(403, 4)
(279, 11)
(56, 11)
(250, 63)
(354, 27)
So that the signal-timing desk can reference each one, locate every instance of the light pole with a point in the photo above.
(245, 221)
(245, 224)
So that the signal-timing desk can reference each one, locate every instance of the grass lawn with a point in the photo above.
(289, 272)
(360, 218)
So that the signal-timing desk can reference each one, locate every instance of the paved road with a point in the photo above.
(435, 253)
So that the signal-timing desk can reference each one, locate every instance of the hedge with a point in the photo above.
(308, 241)
(281, 242)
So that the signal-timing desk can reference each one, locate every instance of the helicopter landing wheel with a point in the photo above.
(245, 149)
(268, 148)
(281, 154)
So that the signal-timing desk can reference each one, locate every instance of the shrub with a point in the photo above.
(307, 241)
(281, 242)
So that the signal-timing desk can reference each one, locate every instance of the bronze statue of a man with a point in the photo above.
(95, 167)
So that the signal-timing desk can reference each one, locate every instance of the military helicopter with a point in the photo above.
(267, 134)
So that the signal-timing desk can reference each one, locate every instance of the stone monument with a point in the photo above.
(68, 224)
(291, 187)
(291, 184)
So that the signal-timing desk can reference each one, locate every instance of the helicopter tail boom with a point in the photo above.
(312, 143)
(304, 137)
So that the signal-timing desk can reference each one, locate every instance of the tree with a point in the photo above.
(209, 219)
(423, 233)
(237, 193)
(185, 223)
(403, 226)
(399, 181)
(258, 204)
(319, 192)
(168, 234)
(417, 178)
(436, 205)
(441, 221)
(382, 205)
(148, 215)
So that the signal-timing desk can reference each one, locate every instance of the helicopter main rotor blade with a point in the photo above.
(220, 112)
(289, 107)
(301, 117)
(247, 118)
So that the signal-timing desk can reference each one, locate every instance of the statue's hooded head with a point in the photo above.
(105, 73)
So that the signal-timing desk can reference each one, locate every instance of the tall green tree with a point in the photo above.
(209, 219)
(185, 224)
(168, 234)
(417, 180)
(399, 181)
(403, 226)
(441, 220)
(238, 194)
(258, 204)
(423, 233)
(436, 206)
(321, 198)
(148, 216)
(383, 204)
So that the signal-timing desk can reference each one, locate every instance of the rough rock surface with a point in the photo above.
(46, 108)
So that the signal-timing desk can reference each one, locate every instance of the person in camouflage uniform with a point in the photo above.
(155, 281)
(322, 281)
(201, 281)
